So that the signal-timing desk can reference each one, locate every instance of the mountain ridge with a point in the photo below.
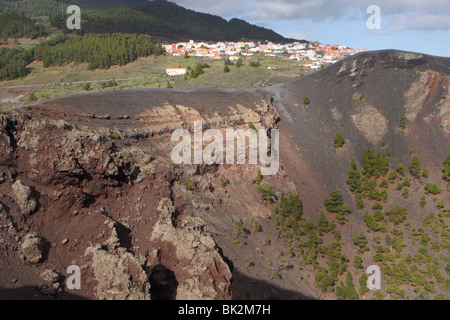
(161, 18)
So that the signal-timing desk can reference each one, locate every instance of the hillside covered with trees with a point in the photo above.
(16, 25)
(13, 63)
(38, 8)
(117, 19)
(160, 18)
(100, 51)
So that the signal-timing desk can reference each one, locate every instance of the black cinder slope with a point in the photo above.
(363, 97)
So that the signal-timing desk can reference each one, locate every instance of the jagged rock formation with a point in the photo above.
(195, 256)
(118, 273)
(70, 172)
(31, 248)
(24, 198)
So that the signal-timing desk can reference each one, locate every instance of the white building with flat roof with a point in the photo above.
(173, 72)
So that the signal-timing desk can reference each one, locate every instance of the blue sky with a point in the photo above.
(411, 25)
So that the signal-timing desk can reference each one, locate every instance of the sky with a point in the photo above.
(411, 25)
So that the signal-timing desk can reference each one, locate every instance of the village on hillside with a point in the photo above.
(310, 55)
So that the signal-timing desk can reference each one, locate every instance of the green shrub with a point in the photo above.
(32, 97)
(109, 84)
(405, 193)
(354, 178)
(223, 181)
(190, 185)
(375, 165)
(414, 167)
(306, 100)
(361, 241)
(423, 202)
(371, 223)
(402, 122)
(363, 284)
(292, 205)
(406, 183)
(358, 262)
(335, 203)
(228, 62)
(258, 178)
(378, 295)
(377, 206)
(401, 169)
(379, 216)
(397, 214)
(432, 188)
(347, 291)
(446, 169)
(266, 193)
(384, 183)
(359, 202)
(339, 140)
(392, 176)
(323, 223)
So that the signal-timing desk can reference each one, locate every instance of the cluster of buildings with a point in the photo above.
(310, 55)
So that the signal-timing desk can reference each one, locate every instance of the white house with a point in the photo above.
(176, 72)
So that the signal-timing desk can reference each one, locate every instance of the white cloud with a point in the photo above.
(418, 21)
(397, 15)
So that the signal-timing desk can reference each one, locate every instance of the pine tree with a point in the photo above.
(354, 178)
(446, 169)
(358, 262)
(338, 140)
(347, 291)
(401, 169)
(323, 223)
(363, 284)
(335, 203)
(402, 122)
(414, 167)
(306, 100)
